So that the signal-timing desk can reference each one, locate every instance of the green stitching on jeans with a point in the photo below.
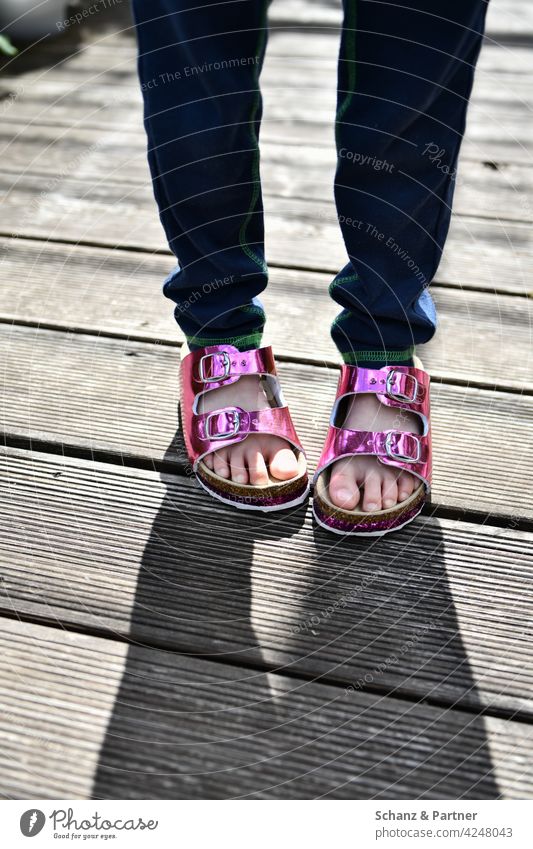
(354, 357)
(252, 340)
(253, 310)
(256, 177)
(337, 282)
(338, 319)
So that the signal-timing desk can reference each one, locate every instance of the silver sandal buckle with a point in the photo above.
(401, 396)
(228, 434)
(404, 458)
(218, 377)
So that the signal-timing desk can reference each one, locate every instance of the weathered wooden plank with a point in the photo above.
(287, 170)
(122, 397)
(308, 173)
(497, 130)
(502, 81)
(485, 253)
(50, 150)
(120, 292)
(183, 728)
(442, 610)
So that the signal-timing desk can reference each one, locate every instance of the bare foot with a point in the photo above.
(251, 460)
(364, 481)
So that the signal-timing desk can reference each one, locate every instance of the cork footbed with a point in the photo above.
(358, 517)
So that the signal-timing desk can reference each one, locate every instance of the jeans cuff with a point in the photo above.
(376, 358)
(242, 343)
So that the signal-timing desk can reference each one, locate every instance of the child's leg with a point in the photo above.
(199, 71)
(199, 65)
(405, 76)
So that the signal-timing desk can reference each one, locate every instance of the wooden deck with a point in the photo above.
(153, 645)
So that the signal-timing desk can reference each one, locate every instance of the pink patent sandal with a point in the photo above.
(406, 388)
(220, 365)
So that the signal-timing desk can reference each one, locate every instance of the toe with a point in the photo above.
(372, 493)
(389, 490)
(220, 463)
(282, 461)
(256, 467)
(343, 489)
(239, 473)
(209, 462)
(406, 483)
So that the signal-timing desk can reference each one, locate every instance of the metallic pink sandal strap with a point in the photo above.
(223, 364)
(410, 452)
(406, 387)
(220, 365)
(224, 427)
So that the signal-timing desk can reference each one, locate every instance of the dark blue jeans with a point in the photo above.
(405, 76)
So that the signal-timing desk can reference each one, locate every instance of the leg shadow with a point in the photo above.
(177, 709)
(386, 612)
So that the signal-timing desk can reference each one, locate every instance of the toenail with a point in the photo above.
(371, 506)
(389, 502)
(344, 495)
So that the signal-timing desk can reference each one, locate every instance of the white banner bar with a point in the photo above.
(232, 825)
